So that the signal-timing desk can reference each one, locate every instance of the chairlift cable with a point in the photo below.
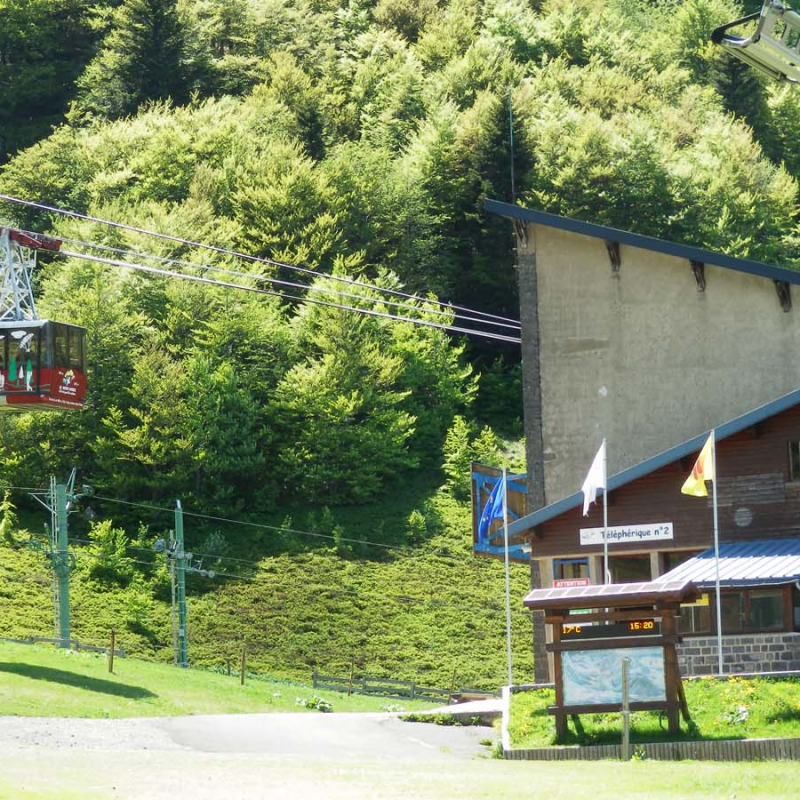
(408, 599)
(264, 526)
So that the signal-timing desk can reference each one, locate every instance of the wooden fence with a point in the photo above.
(720, 750)
(388, 687)
(72, 644)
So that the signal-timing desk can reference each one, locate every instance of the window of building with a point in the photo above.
(796, 607)
(630, 569)
(733, 612)
(794, 461)
(674, 558)
(753, 610)
(564, 568)
(765, 609)
(743, 611)
(696, 618)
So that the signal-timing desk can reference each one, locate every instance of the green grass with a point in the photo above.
(732, 708)
(36, 680)
(431, 613)
(91, 774)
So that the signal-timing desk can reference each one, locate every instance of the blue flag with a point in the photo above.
(492, 510)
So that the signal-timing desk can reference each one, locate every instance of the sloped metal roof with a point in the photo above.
(693, 445)
(618, 594)
(676, 249)
(767, 561)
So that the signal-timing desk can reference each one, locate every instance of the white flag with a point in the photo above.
(596, 479)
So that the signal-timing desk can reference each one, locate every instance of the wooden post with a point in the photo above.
(682, 697)
(350, 682)
(671, 672)
(558, 678)
(111, 650)
(452, 685)
(626, 712)
(229, 666)
(244, 661)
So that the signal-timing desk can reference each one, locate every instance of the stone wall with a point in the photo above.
(755, 652)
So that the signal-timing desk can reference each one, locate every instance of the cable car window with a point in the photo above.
(22, 352)
(3, 343)
(60, 345)
(31, 362)
(75, 348)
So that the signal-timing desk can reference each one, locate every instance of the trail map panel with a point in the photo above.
(594, 677)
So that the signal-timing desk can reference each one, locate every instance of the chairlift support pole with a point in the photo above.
(57, 502)
(179, 560)
(61, 564)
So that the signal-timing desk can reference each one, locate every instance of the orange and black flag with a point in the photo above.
(704, 470)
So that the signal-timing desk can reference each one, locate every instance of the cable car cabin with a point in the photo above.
(42, 366)
(768, 40)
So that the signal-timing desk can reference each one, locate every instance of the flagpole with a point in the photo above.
(606, 575)
(716, 553)
(508, 588)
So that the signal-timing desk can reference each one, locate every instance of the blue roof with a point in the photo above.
(644, 242)
(742, 564)
(693, 445)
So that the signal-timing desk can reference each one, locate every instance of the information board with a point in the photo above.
(594, 677)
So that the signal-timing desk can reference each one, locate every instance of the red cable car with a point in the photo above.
(42, 365)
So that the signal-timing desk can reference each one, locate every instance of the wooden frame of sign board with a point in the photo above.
(636, 621)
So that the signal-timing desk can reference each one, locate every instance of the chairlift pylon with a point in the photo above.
(773, 47)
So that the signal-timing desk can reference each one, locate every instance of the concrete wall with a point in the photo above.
(641, 357)
(753, 652)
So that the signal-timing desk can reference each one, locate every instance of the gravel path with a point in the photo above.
(133, 735)
(304, 734)
(243, 757)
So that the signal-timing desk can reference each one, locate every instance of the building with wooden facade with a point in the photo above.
(654, 531)
(647, 343)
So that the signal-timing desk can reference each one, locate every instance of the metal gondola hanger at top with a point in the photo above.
(772, 46)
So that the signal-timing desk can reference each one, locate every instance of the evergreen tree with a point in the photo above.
(8, 519)
(142, 58)
(743, 95)
(44, 46)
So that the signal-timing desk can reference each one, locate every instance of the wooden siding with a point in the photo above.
(756, 499)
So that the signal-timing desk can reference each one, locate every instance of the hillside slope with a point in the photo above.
(317, 169)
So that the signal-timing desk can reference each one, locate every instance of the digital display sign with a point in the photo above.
(632, 627)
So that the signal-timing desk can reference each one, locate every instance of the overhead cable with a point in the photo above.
(227, 285)
(279, 529)
(236, 253)
(293, 284)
